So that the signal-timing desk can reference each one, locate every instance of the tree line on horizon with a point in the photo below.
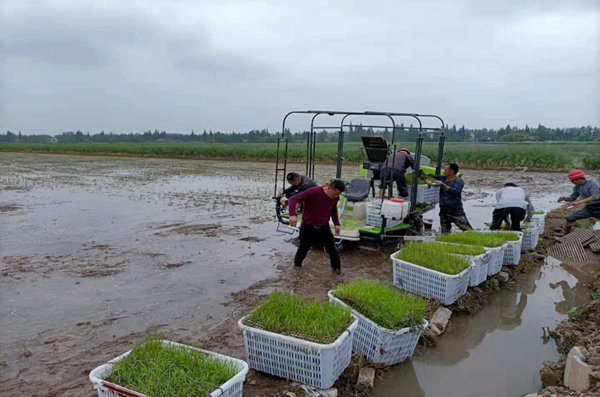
(353, 134)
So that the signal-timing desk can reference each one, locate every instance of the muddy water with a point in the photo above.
(97, 251)
(498, 351)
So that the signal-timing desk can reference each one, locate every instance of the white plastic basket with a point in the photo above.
(479, 263)
(512, 255)
(232, 388)
(292, 358)
(540, 219)
(430, 283)
(425, 194)
(381, 345)
(496, 259)
(531, 236)
(374, 216)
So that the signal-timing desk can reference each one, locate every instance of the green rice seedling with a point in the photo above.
(507, 236)
(384, 304)
(409, 179)
(350, 223)
(470, 250)
(160, 370)
(472, 237)
(528, 226)
(442, 262)
(539, 212)
(291, 315)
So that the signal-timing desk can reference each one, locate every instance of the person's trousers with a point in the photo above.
(516, 214)
(390, 174)
(448, 216)
(310, 235)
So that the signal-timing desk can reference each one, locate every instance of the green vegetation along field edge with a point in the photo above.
(554, 156)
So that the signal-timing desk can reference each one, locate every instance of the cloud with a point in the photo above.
(238, 65)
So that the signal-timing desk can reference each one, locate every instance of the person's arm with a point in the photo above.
(499, 195)
(456, 189)
(334, 215)
(294, 200)
(530, 208)
(409, 163)
(594, 195)
(290, 189)
(436, 177)
(574, 196)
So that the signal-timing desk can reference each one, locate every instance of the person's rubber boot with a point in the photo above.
(335, 271)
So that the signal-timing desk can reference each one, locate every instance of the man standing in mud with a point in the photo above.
(451, 206)
(585, 192)
(320, 204)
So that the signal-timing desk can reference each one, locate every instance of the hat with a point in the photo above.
(404, 150)
(576, 174)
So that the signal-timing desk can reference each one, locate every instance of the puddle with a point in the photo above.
(497, 352)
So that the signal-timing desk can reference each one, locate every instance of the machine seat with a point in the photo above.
(358, 189)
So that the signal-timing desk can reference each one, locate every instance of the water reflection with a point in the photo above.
(496, 352)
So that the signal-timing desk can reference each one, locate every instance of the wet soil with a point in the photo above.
(111, 250)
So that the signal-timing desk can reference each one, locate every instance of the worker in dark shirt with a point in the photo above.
(395, 170)
(451, 206)
(320, 204)
(298, 184)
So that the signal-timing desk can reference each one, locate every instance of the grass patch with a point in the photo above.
(471, 250)
(384, 304)
(507, 236)
(155, 369)
(414, 252)
(490, 155)
(291, 315)
(472, 237)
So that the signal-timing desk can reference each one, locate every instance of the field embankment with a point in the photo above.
(550, 156)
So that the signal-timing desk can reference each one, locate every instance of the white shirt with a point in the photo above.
(511, 196)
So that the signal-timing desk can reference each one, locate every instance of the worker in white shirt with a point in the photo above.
(511, 203)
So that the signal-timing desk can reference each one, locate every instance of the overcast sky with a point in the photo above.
(234, 65)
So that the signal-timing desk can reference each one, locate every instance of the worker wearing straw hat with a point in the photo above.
(585, 192)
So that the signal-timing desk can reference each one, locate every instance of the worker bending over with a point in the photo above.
(395, 170)
(585, 192)
(298, 184)
(451, 206)
(513, 202)
(320, 204)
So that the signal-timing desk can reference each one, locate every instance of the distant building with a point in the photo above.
(53, 140)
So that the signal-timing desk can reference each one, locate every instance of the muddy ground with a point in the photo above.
(98, 253)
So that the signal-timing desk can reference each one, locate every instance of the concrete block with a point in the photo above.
(577, 371)
(440, 319)
(366, 379)
(435, 330)
(575, 351)
(503, 277)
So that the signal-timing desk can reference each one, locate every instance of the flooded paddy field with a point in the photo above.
(96, 253)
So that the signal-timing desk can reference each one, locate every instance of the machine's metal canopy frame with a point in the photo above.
(344, 124)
